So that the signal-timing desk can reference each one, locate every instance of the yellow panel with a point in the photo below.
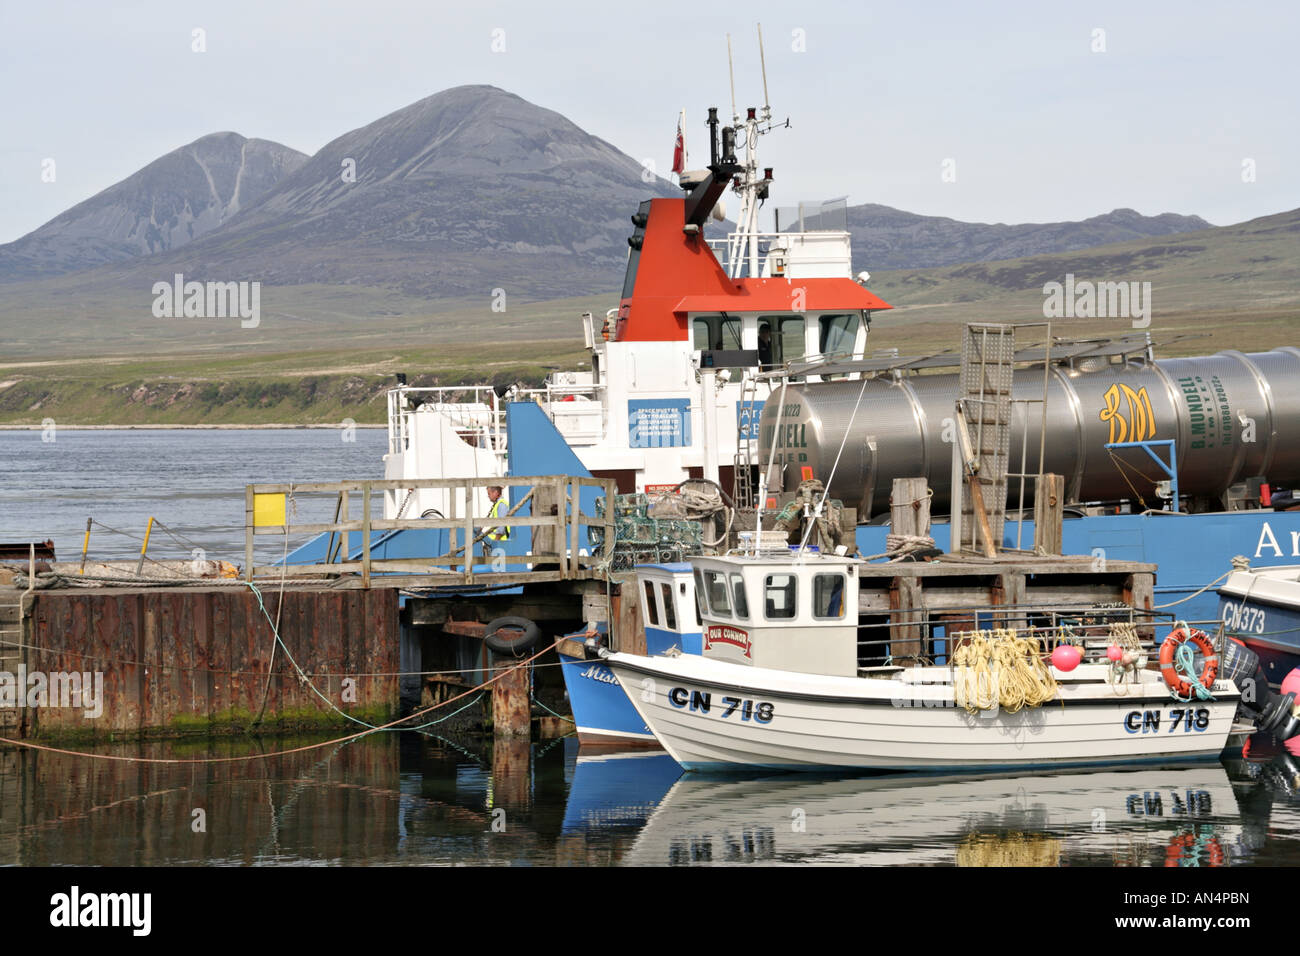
(268, 510)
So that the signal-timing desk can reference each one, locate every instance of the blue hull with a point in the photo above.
(1190, 550)
(1270, 630)
(601, 710)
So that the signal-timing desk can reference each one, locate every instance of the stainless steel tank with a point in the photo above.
(1232, 415)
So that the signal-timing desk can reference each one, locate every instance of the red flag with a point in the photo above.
(679, 150)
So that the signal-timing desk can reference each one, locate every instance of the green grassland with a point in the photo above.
(87, 356)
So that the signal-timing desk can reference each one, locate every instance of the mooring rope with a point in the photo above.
(393, 724)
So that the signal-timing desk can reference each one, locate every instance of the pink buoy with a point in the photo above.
(1066, 657)
(1291, 683)
(1114, 652)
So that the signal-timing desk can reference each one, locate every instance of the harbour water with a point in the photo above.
(191, 480)
(411, 799)
(414, 798)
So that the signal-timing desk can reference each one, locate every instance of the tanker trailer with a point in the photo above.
(1232, 415)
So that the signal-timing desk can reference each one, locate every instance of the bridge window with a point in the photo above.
(719, 601)
(714, 332)
(738, 592)
(828, 596)
(839, 333)
(670, 612)
(786, 342)
(779, 595)
(651, 615)
(701, 601)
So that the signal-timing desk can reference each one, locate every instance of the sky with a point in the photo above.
(990, 112)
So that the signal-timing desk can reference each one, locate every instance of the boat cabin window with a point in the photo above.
(701, 335)
(701, 601)
(699, 619)
(779, 595)
(713, 332)
(670, 612)
(738, 592)
(651, 614)
(839, 333)
(719, 602)
(785, 339)
(828, 596)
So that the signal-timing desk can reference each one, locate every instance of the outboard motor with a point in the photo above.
(1270, 711)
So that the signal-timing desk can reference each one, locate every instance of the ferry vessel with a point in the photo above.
(670, 393)
(679, 387)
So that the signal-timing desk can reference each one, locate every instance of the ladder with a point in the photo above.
(984, 424)
(743, 490)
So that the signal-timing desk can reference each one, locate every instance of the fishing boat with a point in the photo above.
(1260, 608)
(670, 619)
(779, 685)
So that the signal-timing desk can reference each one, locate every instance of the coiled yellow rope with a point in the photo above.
(1000, 668)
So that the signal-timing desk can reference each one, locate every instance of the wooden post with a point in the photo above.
(546, 499)
(365, 535)
(1049, 513)
(248, 532)
(469, 534)
(906, 601)
(575, 513)
(511, 710)
(909, 507)
(981, 515)
(343, 516)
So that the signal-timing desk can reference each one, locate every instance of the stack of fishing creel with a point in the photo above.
(640, 538)
(998, 668)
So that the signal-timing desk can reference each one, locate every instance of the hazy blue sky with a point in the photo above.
(1038, 125)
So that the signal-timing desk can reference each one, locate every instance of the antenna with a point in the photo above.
(767, 102)
(731, 72)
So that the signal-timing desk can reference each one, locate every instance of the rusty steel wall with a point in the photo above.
(189, 660)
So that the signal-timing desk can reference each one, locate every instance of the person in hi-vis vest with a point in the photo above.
(500, 534)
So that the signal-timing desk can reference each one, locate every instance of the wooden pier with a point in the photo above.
(369, 635)
(203, 657)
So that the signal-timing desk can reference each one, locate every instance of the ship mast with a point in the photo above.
(742, 245)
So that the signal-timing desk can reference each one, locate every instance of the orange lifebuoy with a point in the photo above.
(1170, 645)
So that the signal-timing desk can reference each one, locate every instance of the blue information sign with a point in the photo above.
(658, 422)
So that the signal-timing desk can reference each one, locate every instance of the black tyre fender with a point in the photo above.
(529, 634)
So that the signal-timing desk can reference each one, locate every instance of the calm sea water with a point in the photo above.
(190, 480)
(412, 799)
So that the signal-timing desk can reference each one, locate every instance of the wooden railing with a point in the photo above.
(556, 553)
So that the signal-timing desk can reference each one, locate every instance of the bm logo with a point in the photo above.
(1129, 413)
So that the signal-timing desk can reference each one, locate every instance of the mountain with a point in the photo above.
(460, 193)
(887, 238)
(174, 200)
(1209, 282)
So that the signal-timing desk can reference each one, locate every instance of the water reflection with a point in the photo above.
(418, 799)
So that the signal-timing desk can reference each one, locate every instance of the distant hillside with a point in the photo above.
(1204, 283)
(459, 193)
(167, 204)
(887, 238)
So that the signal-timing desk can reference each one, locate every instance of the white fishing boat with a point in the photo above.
(779, 686)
